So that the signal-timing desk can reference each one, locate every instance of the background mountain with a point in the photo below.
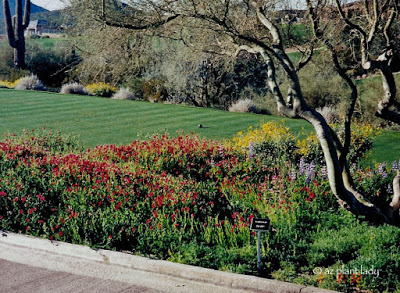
(34, 8)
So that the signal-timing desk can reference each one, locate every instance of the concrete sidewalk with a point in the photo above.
(31, 264)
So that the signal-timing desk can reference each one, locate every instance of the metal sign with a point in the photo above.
(259, 224)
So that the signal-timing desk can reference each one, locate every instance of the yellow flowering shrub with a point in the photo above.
(362, 136)
(101, 89)
(274, 140)
(8, 84)
(270, 131)
(309, 148)
(361, 142)
(271, 141)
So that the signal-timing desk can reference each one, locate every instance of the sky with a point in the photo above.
(50, 4)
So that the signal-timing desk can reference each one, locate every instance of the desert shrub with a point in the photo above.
(6, 60)
(330, 114)
(51, 64)
(31, 82)
(74, 88)
(101, 89)
(123, 94)
(7, 68)
(264, 101)
(321, 84)
(204, 80)
(136, 87)
(243, 106)
(153, 90)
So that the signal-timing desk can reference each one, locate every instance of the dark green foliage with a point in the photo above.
(51, 64)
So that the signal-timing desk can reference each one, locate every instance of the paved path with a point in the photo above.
(27, 279)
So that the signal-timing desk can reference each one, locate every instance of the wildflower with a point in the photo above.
(395, 166)
(3, 193)
(324, 172)
(118, 205)
(310, 172)
(212, 162)
(302, 166)
(41, 197)
(60, 233)
(390, 189)
(221, 150)
(382, 170)
(293, 175)
(251, 149)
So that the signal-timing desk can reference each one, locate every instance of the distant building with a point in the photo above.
(41, 28)
(289, 16)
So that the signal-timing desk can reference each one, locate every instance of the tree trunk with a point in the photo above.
(19, 54)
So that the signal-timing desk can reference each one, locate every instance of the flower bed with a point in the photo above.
(191, 200)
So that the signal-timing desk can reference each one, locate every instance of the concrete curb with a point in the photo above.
(165, 268)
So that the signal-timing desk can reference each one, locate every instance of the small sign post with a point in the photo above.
(259, 225)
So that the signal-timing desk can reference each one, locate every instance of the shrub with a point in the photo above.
(272, 141)
(7, 84)
(243, 106)
(269, 141)
(330, 114)
(51, 64)
(124, 94)
(101, 89)
(31, 82)
(153, 89)
(361, 142)
(74, 88)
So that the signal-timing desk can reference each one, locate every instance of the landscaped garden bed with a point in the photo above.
(191, 200)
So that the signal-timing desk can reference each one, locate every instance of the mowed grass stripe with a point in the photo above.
(98, 120)
(104, 121)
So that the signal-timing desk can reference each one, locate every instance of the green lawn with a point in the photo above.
(104, 121)
(47, 42)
